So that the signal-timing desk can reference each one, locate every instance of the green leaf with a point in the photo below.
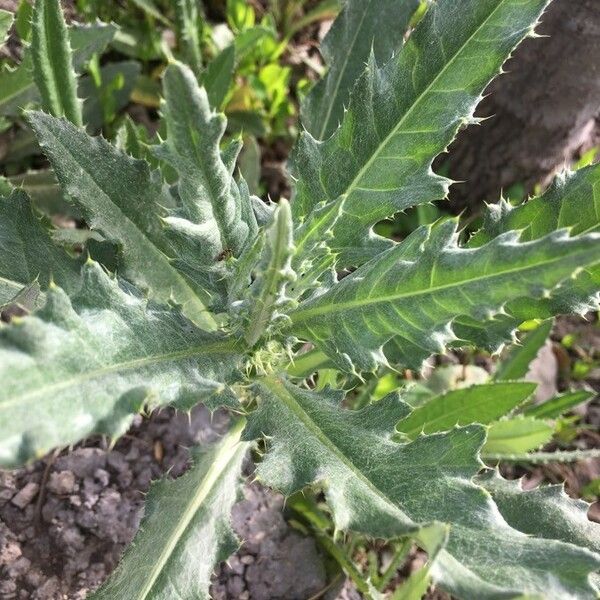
(267, 293)
(85, 366)
(558, 517)
(124, 200)
(384, 489)
(150, 9)
(476, 404)
(27, 252)
(250, 163)
(221, 215)
(402, 115)
(6, 21)
(573, 201)
(517, 435)
(516, 364)
(415, 587)
(134, 139)
(23, 20)
(307, 363)
(240, 14)
(325, 9)
(17, 88)
(102, 103)
(313, 256)
(557, 406)
(412, 293)
(186, 529)
(362, 26)
(52, 62)
(189, 31)
(219, 75)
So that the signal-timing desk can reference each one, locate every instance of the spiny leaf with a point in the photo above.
(476, 404)
(362, 26)
(17, 88)
(189, 28)
(313, 256)
(124, 200)
(52, 62)
(27, 252)
(558, 517)
(267, 292)
(573, 201)
(85, 366)
(412, 293)
(516, 364)
(218, 216)
(186, 529)
(383, 489)
(404, 114)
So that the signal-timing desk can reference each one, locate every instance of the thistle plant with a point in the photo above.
(222, 299)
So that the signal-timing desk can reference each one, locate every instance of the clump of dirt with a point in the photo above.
(275, 562)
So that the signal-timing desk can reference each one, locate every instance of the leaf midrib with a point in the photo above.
(199, 163)
(302, 315)
(228, 449)
(417, 101)
(279, 390)
(336, 88)
(228, 345)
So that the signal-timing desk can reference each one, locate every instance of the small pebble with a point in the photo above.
(25, 495)
(62, 483)
(102, 477)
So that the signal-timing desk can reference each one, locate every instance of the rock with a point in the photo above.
(48, 591)
(235, 565)
(61, 483)
(19, 567)
(116, 461)
(235, 586)
(102, 477)
(10, 550)
(25, 495)
(8, 589)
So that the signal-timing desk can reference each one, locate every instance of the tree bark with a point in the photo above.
(542, 113)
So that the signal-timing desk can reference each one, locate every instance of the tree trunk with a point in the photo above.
(543, 112)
